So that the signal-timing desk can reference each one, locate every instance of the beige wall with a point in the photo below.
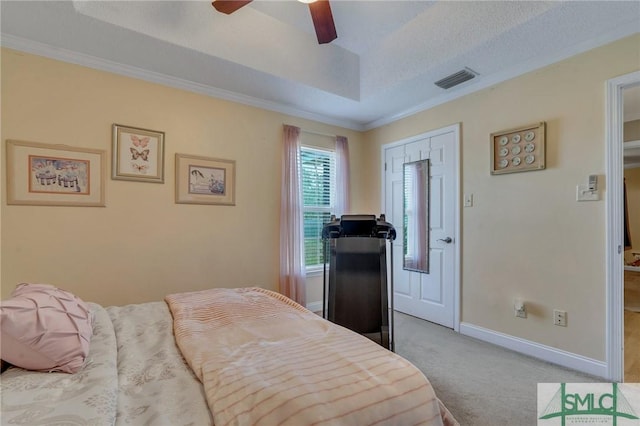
(631, 131)
(142, 245)
(526, 236)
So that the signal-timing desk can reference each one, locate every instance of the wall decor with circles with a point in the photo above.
(518, 150)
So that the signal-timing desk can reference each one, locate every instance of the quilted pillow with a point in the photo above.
(44, 328)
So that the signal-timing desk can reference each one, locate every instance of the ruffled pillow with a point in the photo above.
(44, 328)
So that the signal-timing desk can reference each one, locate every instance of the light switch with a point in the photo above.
(583, 193)
(468, 200)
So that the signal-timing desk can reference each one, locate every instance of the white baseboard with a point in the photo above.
(537, 350)
(315, 306)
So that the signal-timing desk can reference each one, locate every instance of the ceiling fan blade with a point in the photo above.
(229, 6)
(323, 21)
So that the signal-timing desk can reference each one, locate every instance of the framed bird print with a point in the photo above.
(138, 154)
(204, 180)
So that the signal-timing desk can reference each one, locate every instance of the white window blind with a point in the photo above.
(318, 174)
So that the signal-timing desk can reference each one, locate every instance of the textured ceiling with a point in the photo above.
(382, 66)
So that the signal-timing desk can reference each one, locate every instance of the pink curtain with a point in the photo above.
(342, 176)
(292, 276)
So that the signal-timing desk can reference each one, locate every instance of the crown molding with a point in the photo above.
(65, 55)
(481, 82)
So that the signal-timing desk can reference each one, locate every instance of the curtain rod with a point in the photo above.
(318, 133)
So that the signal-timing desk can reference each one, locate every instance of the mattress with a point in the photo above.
(135, 374)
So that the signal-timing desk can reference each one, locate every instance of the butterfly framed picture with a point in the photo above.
(138, 154)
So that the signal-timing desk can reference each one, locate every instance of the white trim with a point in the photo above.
(518, 70)
(455, 129)
(315, 306)
(42, 49)
(537, 350)
(631, 148)
(614, 222)
(314, 271)
(456, 271)
(60, 54)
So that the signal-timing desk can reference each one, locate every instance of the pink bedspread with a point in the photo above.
(265, 360)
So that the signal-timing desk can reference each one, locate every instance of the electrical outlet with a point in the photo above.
(560, 318)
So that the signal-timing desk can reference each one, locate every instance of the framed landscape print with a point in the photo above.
(138, 154)
(54, 175)
(204, 180)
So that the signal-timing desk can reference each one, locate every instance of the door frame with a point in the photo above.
(455, 128)
(614, 122)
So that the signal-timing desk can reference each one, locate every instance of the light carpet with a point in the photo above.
(481, 384)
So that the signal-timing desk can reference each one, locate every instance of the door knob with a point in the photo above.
(447, 240)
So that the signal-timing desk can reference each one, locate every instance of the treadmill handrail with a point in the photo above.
(359, 226)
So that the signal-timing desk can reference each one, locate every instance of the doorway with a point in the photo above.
(631, 176)
(615, 89)
(433, 296)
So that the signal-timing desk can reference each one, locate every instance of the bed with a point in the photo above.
(245, 356)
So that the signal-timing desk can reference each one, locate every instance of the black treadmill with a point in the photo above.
(358, 288)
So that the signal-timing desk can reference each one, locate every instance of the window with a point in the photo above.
(318, 174)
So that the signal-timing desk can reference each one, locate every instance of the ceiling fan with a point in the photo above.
(320, 14)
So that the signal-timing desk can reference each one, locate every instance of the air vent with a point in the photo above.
(456, 78)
